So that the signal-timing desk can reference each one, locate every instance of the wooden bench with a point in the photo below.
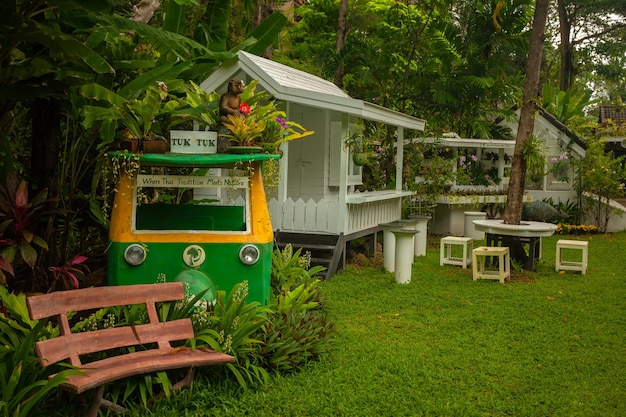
(152, 340)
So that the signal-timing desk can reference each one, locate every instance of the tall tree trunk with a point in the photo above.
(513, 210)
(264, 9)
(46, 131)
(7, 123)
(565, 48)
(342, 35)
(44, 170)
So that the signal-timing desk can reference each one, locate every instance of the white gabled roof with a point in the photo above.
(295, 86)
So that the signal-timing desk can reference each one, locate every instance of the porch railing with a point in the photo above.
(323, 216)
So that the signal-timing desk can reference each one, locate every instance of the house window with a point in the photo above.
(559, 173)
(354, 171)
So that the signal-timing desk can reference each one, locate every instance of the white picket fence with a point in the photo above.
(323, 216)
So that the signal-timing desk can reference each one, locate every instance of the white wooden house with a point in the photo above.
(316, 194)
(558, 184)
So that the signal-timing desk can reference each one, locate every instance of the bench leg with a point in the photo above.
(98, 402)
(186, 381)
(183, 383)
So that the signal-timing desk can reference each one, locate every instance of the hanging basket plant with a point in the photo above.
(360, 158)
(534, 151)
(536, 175)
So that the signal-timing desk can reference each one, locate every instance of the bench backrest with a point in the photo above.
(71, 345)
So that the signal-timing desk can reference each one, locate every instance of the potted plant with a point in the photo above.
(199, 109)
(243, 132)
(534, 151)
(277, 128)
(196, 120)
(260, 123)
(358, 145)
(280, 130)
(134, 122)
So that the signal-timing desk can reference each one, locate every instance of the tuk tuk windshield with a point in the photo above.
(203, 199)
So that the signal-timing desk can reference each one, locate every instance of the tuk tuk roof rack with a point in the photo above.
(194, 160)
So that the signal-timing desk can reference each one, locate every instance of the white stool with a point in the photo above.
(571, 265)
(479, 258)
(445, 252)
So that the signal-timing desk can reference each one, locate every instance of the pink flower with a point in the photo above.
(474, 158)
(282, 122)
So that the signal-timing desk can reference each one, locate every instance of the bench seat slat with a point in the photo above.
(60, 348)
(118, 367)
(63, 302)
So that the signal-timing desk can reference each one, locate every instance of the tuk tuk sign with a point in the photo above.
(193, 141)
(186, 181)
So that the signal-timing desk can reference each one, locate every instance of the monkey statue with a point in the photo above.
(230, 101)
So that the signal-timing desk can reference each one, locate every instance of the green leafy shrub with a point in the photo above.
(291, 269)
(293, 339)
(297, 331)
(230, 325)
(24, 383)
(601, 177)
(569, 208)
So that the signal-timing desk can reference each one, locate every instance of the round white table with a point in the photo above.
(497, 232)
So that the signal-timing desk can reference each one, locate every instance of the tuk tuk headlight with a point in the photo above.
(135, 254)
(249, 255)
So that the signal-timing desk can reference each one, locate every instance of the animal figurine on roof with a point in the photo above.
(230, 100)
(540, 211)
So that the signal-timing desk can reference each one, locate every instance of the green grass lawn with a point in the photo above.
(544, 344)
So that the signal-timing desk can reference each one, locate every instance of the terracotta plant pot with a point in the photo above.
(131, 145)
(155, 146)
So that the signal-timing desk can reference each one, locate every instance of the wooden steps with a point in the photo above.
(326, 249)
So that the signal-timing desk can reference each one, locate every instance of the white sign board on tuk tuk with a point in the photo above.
(193, 141)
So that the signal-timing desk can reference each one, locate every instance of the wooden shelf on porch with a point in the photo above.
(371, 196)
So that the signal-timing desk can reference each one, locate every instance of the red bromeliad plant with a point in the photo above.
(17, 218)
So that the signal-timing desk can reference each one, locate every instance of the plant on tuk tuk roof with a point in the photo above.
(262, 110)
(146, 116)
(243, 131)
(280, 130)
(198, 106)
